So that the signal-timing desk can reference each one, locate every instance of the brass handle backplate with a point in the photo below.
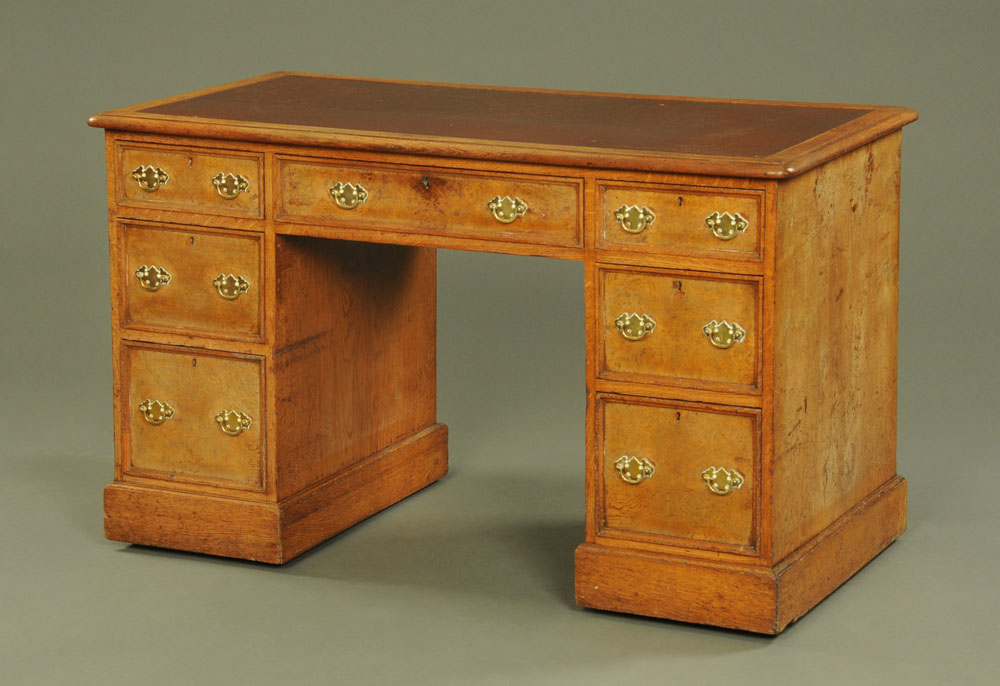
(722, 481)
(348, 195)
(155, 411)
(726, 226)
(633, 469)
(151, 277)
(230, 185)
(507, 209)
(231, 286)
(634, 218)
(634, 326)
(233, 422)
(723, 334)
(149, 178)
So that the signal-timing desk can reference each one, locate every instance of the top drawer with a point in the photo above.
(681, 220)
(190, 180)
(522, 209)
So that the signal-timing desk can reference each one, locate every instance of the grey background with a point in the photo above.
(470, 581)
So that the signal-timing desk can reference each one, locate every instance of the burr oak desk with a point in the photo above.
(273, 292)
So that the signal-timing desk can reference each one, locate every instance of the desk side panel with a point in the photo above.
(835, 336)
(355, 353)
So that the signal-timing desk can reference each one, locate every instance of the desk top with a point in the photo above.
(635, 132)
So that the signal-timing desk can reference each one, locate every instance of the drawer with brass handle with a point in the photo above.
(679, 328)
(681, 220)
(190, 180)
(456, 203)
(193, 416)
(207, 282)
(674, 470)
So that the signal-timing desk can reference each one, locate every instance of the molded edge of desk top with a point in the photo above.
(590, 130)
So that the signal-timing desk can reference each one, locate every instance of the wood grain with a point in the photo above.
(275, 532)
(354, 364)
(755, 598)
(681, 440)
(679, 227)
(190, 301)
(190, 446)
(189, 186)
(677, 351)
(427, 201)
(688, 590)
(381, 480)
(335, 348)
(835, 338)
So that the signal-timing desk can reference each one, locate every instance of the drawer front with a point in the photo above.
(205, 281)
(194, 416)
(680, 471)
(191, 180)
(674, 327)
(525, 209)
(681, 220)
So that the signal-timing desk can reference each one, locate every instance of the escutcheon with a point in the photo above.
(507, 209)
(722, 481)
(633, 218)
(231, 286)
(151, 277)
(723, 334)
(726, 226)
(634, 470)
(233, 422)
(149, 178)
(155, 411)
(230, 185)
(634, 326)
(348, 195)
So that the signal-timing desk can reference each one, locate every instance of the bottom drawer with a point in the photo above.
(193, 416)
(673, 470)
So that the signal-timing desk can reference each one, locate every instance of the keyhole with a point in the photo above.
(680, 201)
(194, 361)
(192, 240)
(190, 162)
(426, 183)
(678, 416)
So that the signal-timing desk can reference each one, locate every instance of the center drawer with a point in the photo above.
(674, 470)
(680, 328)
(193, 416)
(516, 208)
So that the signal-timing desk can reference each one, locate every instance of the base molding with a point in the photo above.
(276, 532)
(758, 598)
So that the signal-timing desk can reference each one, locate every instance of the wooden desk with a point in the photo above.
(274, 387)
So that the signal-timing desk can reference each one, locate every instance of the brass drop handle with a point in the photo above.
(634, 326)
(230, 185)
(634, 470)
(722, 481)
(726, 226)
(507, 209)
(634, 218)
(233, 422)
(150, 178)
(155, 411)
(723, 334)
(231, 286)
(151, 277)
(348, 195)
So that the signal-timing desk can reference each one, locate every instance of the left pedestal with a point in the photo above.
(271, 391)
